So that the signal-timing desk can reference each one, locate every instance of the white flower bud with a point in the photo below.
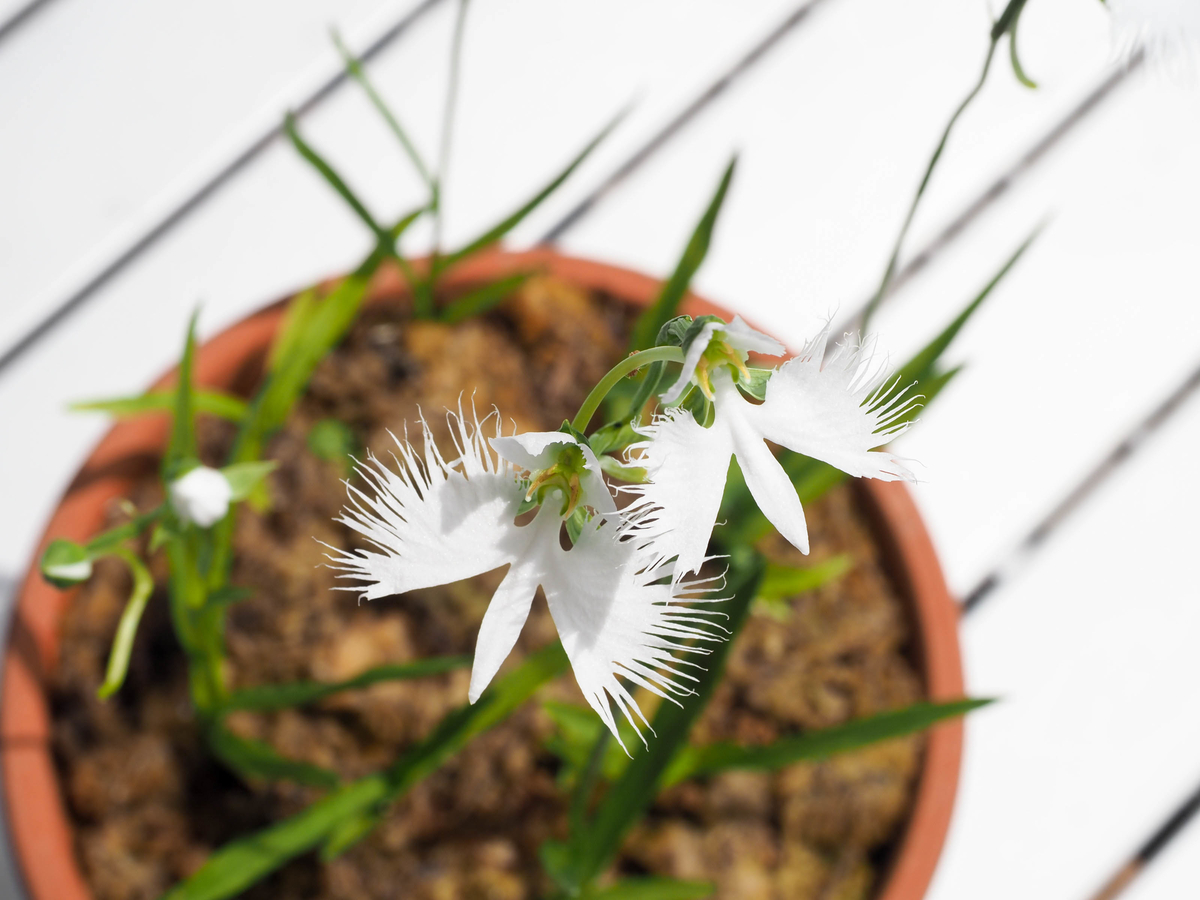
(201, 496)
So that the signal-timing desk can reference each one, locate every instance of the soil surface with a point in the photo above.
(150, 804)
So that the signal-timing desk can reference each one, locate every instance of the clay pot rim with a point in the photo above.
(39, 827)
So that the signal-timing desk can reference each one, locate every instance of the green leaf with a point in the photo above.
(228, 594)
(1013, 58)
(296, 319)
(588, 851)
(818, 744)
(335, 181)
(182, 444)
(243, 477)
(118, 657)
(500, 229)
(317, 327)
(298, 693)
(333, 441)
(786, 581)
(480, 300)
(781, 583)
(354, 67)
(66, 563)
(213, 403)
(239, 864)
(576, 729)
(922, 365)
(257, 759)
(654, 888)
(349, 832)
(664, 307)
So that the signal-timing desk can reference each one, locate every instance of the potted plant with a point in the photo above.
(222, 719)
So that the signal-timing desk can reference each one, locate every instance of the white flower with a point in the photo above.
(1164, 27)
(433, 521)
(202, 496)
(836, 411)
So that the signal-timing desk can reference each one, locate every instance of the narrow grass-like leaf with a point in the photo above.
(480, 300)
(213, 403)
(921, 366)
(577, 729)
(298, 693)
(652, 889)
(295, 321)
(241, 863)
(335, 180)
(319, 327)
(354, 67)
(118, 657)
(788, 581)
(818, 744)
(587, 852)
(257, 759)
(503, 227)
(664, 308)
(182, 443)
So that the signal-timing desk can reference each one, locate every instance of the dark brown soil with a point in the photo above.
(150, 804)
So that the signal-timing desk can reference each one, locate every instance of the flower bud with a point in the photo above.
(66, 563)
(201, 496)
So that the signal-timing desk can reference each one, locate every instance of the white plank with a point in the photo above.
(1092, 652)
(116, 111)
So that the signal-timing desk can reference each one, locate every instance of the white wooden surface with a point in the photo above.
(113, 111)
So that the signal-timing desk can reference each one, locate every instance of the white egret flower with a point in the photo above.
(202, 496)
(431, 521)
(836, 410)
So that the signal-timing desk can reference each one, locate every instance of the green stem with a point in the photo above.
(587, 781)
(447, 131)
(890, 271)
(631, 363)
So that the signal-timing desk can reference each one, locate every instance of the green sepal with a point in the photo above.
(674, 332)
(575, 524)
(754, 381)
(580, 438)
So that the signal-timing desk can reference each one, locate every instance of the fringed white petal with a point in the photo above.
(431, 521)
(615, 620)
(686, 467)
(836, 411)
(769, 484)
(509, 608)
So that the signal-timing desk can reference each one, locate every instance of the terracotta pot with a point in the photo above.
(38, 823)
